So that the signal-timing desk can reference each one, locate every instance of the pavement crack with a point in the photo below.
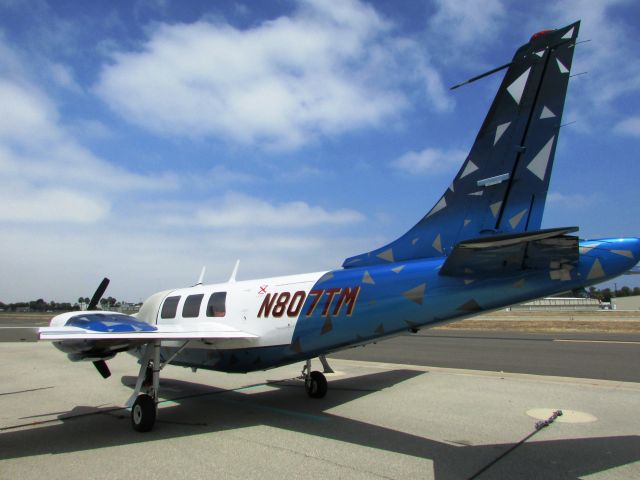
(26, 391)
(315, 457)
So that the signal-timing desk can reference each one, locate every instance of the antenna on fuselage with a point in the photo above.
(232, 278)
(201, 278)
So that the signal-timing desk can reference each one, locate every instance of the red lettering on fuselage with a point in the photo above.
(331, 292)
(348, 296)
(296, 304)
(318, 295)
(267, 305)
(280, 304)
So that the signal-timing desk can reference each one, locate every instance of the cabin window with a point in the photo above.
(191, 307)
(170, 307)
(216, 304)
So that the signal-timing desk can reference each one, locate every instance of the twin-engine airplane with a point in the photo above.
(479, 248)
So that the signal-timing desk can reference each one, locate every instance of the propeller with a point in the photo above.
(93, 304)
(102, 368)
(100, 365)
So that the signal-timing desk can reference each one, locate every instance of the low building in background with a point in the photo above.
(626, 303)
(560, 303)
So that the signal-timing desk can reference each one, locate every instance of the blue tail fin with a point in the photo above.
(502, 185)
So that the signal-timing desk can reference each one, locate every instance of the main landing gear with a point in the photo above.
(144, 400)
(315, 383)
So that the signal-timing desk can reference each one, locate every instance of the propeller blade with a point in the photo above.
(93, 304)
(103, 368)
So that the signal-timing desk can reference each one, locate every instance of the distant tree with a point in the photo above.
(624, 292)
(111, 301)
(38, 305)
(103, 303)
(636, 290)
(606, 294)
(64, 307)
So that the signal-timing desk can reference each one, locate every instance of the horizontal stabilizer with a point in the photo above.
(542, 249)
(634, 271)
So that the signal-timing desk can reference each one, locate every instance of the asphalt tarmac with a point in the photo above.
(584, 355)
(379, 420)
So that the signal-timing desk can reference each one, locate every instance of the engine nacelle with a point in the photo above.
(82, 349)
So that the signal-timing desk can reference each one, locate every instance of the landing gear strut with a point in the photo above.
(315, 383)
(144, 400)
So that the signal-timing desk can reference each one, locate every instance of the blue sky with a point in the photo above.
(142, 140)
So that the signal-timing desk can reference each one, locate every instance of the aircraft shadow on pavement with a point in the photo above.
(188, 410)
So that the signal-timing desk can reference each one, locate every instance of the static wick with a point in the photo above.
(568, 123)
(482, 75)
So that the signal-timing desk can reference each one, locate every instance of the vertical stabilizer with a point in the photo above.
(502, 186)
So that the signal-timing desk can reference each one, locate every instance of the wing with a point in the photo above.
(116, 326)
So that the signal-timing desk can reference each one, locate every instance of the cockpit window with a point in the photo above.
(216, 305)
(191, 307)
(170, 307)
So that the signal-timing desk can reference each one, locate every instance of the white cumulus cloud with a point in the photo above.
(238, 210)
(326, 69)
(50, 204)
(629, 126)
(48, 176)
(464, 25)
(572, 200)
(608, 59)
(429, 161)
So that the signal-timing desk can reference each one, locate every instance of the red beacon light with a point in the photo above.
(539, 34)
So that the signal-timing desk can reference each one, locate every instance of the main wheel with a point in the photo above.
(143, 413)
(316, 385)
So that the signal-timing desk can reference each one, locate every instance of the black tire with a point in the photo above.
(316, 385)
(143, 413)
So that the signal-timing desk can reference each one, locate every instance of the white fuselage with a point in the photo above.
(268, 308)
